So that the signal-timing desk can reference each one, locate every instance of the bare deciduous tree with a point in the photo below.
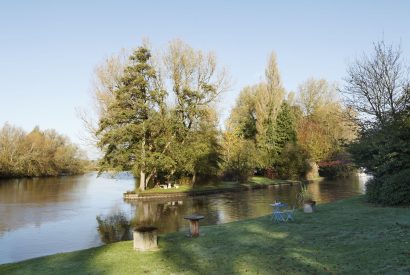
(106, 79)
(315, 93)
(377, 85)
(195, 78)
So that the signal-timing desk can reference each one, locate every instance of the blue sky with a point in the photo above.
(48, 49)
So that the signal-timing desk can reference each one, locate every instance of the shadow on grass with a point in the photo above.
(338, 238)
(347, 237)
(259, 248)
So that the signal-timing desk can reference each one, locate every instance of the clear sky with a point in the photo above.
(48, 49)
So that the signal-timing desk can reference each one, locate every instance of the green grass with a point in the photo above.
(190, 188)
(267, 181)
(223, 185)
(345, 237)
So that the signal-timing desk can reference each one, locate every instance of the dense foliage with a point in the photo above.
(133, 131)
(287, 138)
(382, 92)
(139, 130)
(385, 153)
(37, 153)
(157, 117)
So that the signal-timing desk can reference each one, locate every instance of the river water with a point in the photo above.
(44, 216)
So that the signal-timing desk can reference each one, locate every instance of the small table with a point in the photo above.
(194, 224)
(278, 205)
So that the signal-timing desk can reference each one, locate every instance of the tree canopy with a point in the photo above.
(38, 153)
(139, 130)
(159, 119)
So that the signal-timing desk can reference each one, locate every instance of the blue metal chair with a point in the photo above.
(278, 216)
(289, 214)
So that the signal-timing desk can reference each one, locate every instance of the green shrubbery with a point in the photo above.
(293, 163)
(341, 170)
(385, 153)
(391, 189)
(396, 189)
(378, 89)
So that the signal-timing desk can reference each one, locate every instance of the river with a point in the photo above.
(43, 216)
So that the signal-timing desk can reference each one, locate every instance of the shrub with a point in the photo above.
(293, 163)
(384, 152)
(239, 159)
(114, 228)
(395, 190)
(337, 171)
(373, 187)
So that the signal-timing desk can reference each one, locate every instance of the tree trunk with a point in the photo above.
(142, 180)
(142, 176)
(193, 178)
(151, 175)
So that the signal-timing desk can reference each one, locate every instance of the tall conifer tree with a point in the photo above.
(131, 135)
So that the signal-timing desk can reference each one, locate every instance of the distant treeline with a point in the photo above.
(38, 153)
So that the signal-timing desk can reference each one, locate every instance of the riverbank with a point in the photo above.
(197, 190)
(349, 236)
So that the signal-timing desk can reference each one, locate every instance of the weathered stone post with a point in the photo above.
(145, 238)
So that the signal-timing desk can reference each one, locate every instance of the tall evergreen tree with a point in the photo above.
(279, 133)
(285, 126)
(131, 133)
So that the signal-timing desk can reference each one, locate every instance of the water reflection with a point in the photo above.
(42, 216)
(27, 201)
(168, 214)
(50, 215)
(331, 190)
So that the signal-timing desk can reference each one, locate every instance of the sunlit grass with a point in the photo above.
(193, 188)
(266, 181)
(215, 186)
(345, 237)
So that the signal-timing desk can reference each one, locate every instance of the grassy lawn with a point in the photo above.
(345, 237)
(190, 188)
(267, 181)
(224, 185)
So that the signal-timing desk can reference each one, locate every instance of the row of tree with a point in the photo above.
(284, 135)
(156, 117)
(37, 153)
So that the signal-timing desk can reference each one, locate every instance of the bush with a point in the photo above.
(114, 228)
(390, 190)
(396, 189)
(337, 171)
(384, 152)
(293, 163)
(239, 158)
(373, 188)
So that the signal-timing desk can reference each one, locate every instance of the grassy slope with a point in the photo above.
(345, 237)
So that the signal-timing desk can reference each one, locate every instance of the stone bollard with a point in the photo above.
(145, 238)
(309, 207)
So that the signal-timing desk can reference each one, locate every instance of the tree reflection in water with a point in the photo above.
(168, 214)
